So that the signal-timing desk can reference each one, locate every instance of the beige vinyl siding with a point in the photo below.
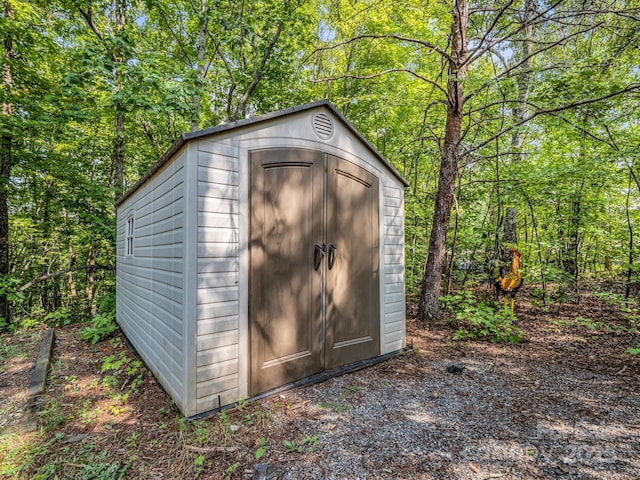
(149, 284)
(393, 322)
(217, 328)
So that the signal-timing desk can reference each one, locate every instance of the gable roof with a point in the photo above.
(186, 137)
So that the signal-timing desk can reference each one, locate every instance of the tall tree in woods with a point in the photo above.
(119, 60)
(457, 60)
(261, 48)
(201, 45)
(507, 223)
(116, 47)
(47, 165)
(6, 158)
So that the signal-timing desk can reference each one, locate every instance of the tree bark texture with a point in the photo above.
(509, 235)
(429, 304)
(119, 61)
(202, 58)
(6, 161)
(627, 290)
(118, 151)
(523, 81)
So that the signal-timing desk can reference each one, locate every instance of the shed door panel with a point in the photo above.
(305, 320)
(352, 318)
(285, 290)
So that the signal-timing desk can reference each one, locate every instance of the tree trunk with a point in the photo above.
(70, 281)
(202, 57)
(608, 259)
(259, 65)
(429, 304)
(89, 288)
(452, 257)
(524, 77)
(573, 247)
(627, 290)
(118, 151)
(119, 61)
(509, 234)
(523, 81)
(6, 161)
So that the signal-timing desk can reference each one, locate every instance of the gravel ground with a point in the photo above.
(479, 413)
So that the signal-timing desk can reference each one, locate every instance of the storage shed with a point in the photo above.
(260, 253)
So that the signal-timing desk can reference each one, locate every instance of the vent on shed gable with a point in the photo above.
(323, 126)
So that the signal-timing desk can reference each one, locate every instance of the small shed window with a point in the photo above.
(129, 237)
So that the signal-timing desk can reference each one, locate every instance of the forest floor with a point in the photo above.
(563, 404)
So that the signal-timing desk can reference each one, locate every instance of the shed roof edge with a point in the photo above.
(186, 137)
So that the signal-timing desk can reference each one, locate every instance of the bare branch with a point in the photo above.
(258, 71)
(87, 14)
(493, 23)
(380, 74)
(149, 133)
(228, 67)
(51, 276)
(174, 34)
(546, 47)
(540, 18)
(391, 36)
(551, 111)
(586, 132)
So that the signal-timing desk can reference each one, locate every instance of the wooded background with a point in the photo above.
(515, 123)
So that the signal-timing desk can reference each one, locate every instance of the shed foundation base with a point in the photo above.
(317, 378)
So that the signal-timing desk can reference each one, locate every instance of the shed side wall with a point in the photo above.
(218, 291)
(393, 330)
(149, 283)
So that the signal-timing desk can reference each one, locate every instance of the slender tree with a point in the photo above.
(117, 47)
(201, 47)
(523, 85)
(429, 304)
(6, 159)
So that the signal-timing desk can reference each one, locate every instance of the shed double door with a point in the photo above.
(314, 266)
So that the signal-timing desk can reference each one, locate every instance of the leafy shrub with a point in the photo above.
(107, 303)
(628, 305)
(102, 326)
(123, 366)
(481, 320)
(308, 444)
(60, 317)
(460, 300)
(9, 288)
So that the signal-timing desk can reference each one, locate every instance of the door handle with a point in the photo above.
(332, 255)
(318, 255)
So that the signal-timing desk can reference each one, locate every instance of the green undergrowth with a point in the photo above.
(482, 320)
